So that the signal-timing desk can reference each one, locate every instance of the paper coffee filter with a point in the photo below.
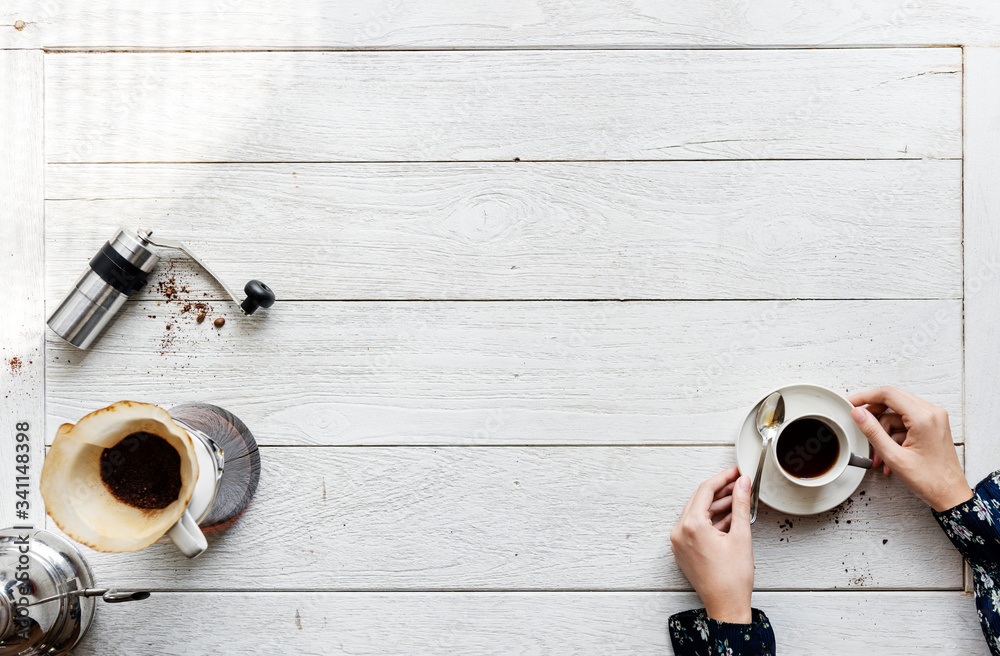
(75, 494)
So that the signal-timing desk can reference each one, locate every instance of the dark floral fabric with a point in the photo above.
(693, 633)
(974, 528)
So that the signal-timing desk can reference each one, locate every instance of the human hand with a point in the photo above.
(912, 438)
(713, 547)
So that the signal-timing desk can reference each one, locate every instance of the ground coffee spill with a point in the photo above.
(143, 471)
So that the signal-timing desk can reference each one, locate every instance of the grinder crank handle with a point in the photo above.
(258, 294)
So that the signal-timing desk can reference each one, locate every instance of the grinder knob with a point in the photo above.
(258, 295)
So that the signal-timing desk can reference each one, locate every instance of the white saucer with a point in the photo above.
(776, 490)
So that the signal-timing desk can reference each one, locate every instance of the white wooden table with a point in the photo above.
(534, 261)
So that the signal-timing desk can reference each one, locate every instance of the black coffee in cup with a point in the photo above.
(807, 448)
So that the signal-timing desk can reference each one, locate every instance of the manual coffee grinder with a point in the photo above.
(119, 270)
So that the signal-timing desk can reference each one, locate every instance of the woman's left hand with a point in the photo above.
(713, 546)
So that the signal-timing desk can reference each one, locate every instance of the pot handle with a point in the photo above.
(188, 536)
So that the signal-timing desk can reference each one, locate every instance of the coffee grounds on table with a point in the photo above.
(143, 471)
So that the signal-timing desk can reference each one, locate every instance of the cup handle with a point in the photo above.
(188, 536)
(860, 461)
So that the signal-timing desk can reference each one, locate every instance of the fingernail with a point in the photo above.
(744, 483)
(859, 415)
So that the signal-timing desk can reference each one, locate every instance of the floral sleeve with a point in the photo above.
(974, 528)
(693, 633)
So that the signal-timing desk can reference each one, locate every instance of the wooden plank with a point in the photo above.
(767, 229)
(526, 518)
(181, 624)
(22, 279)
(308, 24)
(507, 373)
(982, 249)
(472, 105)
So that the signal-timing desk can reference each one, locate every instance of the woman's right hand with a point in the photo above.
(912, 437)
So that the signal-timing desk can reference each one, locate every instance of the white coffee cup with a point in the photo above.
(797, 458)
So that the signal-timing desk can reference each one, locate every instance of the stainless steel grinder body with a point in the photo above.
(117, 271)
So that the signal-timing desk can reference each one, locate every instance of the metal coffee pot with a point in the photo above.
(119, 270)
(46, 594)
(216, 469)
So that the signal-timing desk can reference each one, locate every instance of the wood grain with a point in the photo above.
(478, 477)
(982, 249)
(307, 24)
(472, 105)
(526, 518)
(629, 623)
(761, 229)
(506, 373)
(22, 342)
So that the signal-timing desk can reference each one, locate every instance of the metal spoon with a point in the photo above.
(770, 416)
